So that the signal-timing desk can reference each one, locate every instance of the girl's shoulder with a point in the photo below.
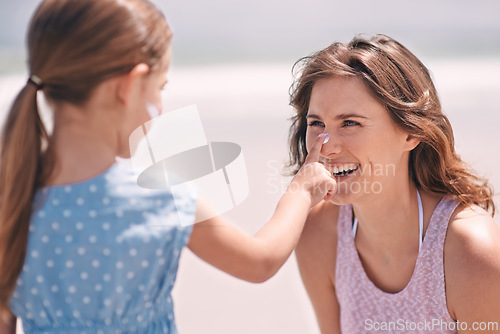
(115, 195)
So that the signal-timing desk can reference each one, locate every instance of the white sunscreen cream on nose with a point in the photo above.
(327, 138)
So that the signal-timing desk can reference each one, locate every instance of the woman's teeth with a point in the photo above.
(344, 170)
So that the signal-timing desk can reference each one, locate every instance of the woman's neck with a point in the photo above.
(388, 221)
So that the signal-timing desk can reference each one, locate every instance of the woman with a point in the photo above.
(84, 249)
(406, 243)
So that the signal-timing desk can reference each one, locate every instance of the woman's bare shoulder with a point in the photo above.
(473, 234)
(322, 221)
(472, 262)
(317, 246)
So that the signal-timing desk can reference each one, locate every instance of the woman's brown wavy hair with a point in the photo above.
(404, 86)
(73, 45)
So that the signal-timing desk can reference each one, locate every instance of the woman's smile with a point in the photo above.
(339, 169)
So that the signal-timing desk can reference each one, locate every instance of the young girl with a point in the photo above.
(405, 244)
(84, 249)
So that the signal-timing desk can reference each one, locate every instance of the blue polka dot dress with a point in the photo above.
(102, 257)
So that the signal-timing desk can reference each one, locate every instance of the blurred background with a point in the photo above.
(233, 59)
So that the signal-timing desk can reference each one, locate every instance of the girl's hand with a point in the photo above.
(258, 258)
(313, 178)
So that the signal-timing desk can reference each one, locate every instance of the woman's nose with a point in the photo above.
(330, 146)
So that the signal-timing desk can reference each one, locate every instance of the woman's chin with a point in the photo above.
(342, 198)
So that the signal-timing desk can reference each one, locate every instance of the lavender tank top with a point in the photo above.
(419, 308)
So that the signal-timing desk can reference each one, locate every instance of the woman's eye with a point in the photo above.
(316, 123)
(350, 123)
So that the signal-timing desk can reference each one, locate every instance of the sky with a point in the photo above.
(222, 31)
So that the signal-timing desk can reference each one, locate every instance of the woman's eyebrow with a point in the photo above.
(338, 117)
(351, 115)
(313, 116)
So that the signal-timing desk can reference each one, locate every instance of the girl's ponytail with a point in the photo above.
(21, 175)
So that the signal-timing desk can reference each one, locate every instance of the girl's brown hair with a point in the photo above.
(404, 86)
(73, 45)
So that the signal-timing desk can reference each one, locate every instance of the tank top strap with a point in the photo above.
(438, 225)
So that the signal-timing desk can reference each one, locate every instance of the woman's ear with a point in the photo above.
(411, 142)
(128, 81)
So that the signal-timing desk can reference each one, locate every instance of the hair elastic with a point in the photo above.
(36, 81)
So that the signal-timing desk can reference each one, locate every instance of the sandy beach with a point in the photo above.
(248, 104)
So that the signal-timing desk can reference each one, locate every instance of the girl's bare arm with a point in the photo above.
(258, 258)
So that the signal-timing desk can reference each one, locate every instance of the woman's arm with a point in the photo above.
(8, 326)
(258, 258)
(472, 271)
(316, 257)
